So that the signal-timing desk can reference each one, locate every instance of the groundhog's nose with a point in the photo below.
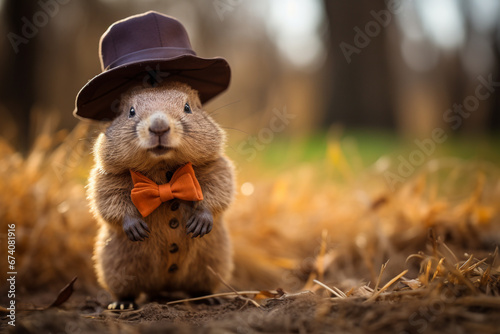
(159, 126)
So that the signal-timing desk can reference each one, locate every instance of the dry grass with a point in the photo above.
(353, 240)
(44, 196)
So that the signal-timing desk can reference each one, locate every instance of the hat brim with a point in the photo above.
(99, 99)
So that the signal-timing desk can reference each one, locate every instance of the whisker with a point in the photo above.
(228, 128)
(232, 148)
(226, 105)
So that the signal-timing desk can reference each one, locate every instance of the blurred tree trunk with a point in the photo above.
(494, 116)
(360, 90)
(17, 89)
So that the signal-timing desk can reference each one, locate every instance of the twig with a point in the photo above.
(222, 294)
(437, 269)
(231, 288)
(477, 264)
(377, 293)
(465, 266)
(382, 268)
(458, 275)
(417, 292)
(329, 289)
(486, 275)
(455, 259)
(340, 292)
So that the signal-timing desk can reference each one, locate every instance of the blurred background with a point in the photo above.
(396, 66)
(331, 104)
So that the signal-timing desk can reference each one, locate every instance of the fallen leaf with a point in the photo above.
(64, 294)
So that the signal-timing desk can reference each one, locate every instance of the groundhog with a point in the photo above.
(159, 130)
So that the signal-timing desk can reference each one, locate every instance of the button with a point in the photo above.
(174, 206)
(169, 176)
(173, 248)
(174, 223)
(173, 268)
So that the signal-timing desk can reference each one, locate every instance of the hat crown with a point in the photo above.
(143, 47)
(141, 32)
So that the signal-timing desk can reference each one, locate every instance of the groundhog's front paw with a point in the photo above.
(136, 229)
(200, 223)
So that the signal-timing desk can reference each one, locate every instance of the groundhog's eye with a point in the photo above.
(131, 112)
(187, 109)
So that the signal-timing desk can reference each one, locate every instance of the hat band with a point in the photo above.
(150, 54)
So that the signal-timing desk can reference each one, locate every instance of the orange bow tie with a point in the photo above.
(147, 195)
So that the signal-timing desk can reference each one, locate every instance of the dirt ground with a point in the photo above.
(300, 313)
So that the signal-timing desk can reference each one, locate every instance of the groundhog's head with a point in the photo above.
(157, 126)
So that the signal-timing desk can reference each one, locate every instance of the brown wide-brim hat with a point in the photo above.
(141, 51)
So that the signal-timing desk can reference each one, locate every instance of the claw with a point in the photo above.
(145, 226)
(192, 229)
(121, 306)
(200, 223)
(135, 228)
(190, 225)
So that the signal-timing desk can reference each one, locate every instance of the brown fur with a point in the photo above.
(124, 267)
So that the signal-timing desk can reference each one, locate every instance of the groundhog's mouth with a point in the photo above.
(159, 150)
